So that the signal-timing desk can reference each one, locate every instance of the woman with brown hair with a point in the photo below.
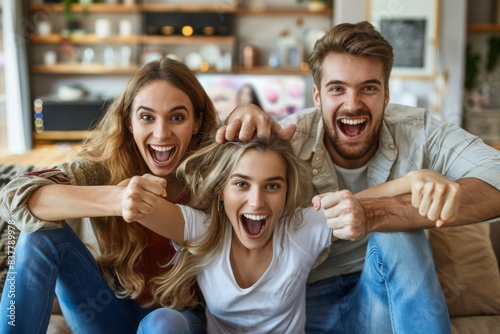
(162, 115)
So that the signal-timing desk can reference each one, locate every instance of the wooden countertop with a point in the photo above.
(45, 156)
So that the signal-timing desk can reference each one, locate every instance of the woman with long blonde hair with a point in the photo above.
(250, 237)
(161, 117)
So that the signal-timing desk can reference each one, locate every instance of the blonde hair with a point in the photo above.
(358, 39)
(206, 172)
(114, 147)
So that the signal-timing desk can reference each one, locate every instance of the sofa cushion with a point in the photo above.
(58, 325)
(476, 325)
(495, 239)
(467, 269)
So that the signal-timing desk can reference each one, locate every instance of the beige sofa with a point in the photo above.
(467, 261)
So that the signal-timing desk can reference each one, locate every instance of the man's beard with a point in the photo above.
(345, 151)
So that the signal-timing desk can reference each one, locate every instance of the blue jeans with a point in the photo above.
(160, 321)
(398, 291)
(49, 262)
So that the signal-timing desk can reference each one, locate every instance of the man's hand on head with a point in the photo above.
(247, 121)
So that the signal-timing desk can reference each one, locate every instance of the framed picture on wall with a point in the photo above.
(412, 28)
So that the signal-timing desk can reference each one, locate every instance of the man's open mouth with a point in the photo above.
(162, 154)
(254, 224)
(352, 127)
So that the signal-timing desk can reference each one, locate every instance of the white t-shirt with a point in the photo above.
(276, 302)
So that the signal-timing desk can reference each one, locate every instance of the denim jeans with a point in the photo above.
(49, 262)
(398, 291)
(160, 321)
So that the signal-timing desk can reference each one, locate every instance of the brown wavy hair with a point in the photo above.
(114, 147)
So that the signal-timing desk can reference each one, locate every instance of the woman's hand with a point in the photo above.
(140, 195)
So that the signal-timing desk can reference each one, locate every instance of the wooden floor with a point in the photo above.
(46, 156)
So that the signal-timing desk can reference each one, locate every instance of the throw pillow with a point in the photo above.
(467, 269)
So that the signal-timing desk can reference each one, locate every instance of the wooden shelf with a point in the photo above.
(146, 39)
(121, 8)
(141, 42)
(79, 8)
(483, 27)
(102, 69)
(215, 7)
(84, 39)
(270, 70)
(82, 69)
(155, 39)
(284, 11)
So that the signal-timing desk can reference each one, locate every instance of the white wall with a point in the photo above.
(451, 53)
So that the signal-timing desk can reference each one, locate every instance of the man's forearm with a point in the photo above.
(479, 202)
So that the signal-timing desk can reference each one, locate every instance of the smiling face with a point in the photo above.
(163, 122)
(352, 100)
(254, 197)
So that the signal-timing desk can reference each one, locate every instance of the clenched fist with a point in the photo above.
(140, 195)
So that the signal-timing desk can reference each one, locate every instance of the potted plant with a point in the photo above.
(72, 23)
(479, 87)
(69, 17)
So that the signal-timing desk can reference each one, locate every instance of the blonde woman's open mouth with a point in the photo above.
(254, 224)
